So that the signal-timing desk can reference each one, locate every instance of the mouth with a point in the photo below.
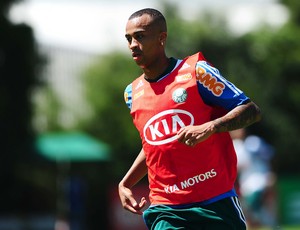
(136, 55)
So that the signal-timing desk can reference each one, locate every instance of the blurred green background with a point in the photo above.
(41, 192)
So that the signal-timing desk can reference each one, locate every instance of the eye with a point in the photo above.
(128, 38)
(139, 36)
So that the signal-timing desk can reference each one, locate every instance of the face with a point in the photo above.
(144, 40)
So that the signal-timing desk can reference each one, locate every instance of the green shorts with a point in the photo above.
(225, 214)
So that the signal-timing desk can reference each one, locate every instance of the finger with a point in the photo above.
(131, 202)
(183, 136)
(136, 208)
(188, 142)
(132, 209)
(180, 137)
(142, 202)
(180, 131)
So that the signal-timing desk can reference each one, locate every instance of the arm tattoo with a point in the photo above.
(240, 117)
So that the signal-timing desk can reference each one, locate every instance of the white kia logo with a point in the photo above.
(163, 127)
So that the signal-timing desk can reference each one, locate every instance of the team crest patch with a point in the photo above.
(179, 95)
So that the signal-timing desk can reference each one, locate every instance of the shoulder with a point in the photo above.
(128, 89)
(138, 82)
(128, 95)
(203, 66)
(215, 89)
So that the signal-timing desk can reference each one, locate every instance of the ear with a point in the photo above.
(163, 37)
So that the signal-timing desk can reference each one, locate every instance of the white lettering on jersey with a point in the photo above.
(190, 182)
(171, 189)
(198, 178)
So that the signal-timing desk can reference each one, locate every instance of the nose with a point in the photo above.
(133, 43)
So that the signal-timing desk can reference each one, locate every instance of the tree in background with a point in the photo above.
(285, 56)
(110, 121)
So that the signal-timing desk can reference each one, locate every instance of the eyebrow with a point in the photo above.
(135, 33)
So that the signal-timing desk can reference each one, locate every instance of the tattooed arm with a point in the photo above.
(239, 117)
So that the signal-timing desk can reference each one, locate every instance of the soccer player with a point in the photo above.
(183, 110)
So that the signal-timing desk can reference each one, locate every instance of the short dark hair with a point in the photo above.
(158, 17)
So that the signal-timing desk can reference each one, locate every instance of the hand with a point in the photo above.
(128, 201)
(192, 135)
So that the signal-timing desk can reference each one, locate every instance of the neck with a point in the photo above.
(155, 70)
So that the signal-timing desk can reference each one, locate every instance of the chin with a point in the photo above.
(141, 65)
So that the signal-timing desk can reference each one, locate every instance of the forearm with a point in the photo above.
(136, 172)
(240, 117)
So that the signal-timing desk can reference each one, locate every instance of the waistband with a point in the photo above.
(230, 193)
